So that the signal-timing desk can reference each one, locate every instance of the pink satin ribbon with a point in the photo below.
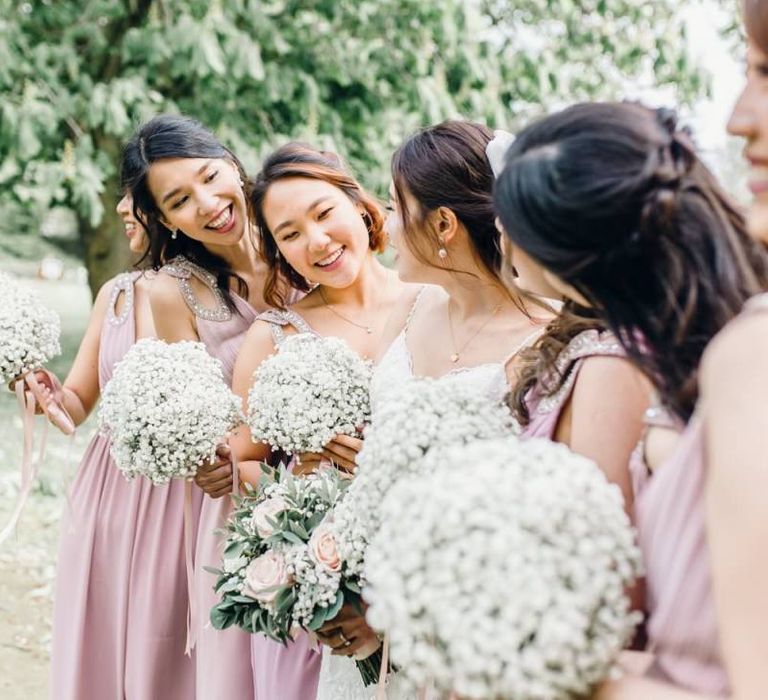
(192, 611)
(27, 404)
(381, 686)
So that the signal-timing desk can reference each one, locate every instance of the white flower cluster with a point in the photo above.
(415, 417)
(280, 566)
(502, 573)
(29, 331)
(166, 409)
(312, 389)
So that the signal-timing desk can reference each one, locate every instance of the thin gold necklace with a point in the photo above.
(457, 352)
(367, 328)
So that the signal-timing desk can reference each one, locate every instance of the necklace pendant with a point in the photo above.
(455, 357)
(368, 330)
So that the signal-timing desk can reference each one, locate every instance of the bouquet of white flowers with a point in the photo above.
(502, 574)
(310, 390)
(29, 331)
(281, 569)
(166, 409)
(416, 417)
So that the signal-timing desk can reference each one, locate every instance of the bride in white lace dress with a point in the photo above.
(464, 325)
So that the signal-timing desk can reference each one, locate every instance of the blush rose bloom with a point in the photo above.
(322, 549)
(263, 577)
(267, 510)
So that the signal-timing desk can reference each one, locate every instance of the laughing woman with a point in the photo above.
(189, 189)
(320, 230)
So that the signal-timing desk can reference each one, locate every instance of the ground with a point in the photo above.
(28, 558)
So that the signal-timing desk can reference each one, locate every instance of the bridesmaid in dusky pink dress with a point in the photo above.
(642, 234)
(120, 607)
(208, 289)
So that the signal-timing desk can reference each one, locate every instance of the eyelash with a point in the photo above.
(208, 178)
(324, 213)
(389, 207)
(177, 204)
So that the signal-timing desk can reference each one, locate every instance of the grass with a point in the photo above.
(28, 559)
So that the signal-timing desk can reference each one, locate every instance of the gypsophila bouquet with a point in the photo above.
(29, 331)
(310, 390)
(502, 573)
(416, 417)
(281, 570)
(166, 409)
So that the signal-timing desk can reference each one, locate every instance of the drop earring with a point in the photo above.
(442, 253)
(240, 181)
(174, 233)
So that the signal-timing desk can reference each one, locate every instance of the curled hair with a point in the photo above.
(171, 136)
(301, 160)
(756, 22)
(446, 166)
(612, 198)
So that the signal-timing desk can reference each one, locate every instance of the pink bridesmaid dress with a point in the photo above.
(545, 411)
(120, 603)
(223, 657)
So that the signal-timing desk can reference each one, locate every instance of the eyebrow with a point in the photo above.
(290, 222)
(175, 191)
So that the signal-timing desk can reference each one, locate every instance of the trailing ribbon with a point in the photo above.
(381, 686)
(27, 404)
(192, 611)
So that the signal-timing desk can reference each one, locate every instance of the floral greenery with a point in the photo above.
(280, 570)
(501, 573)
(352, 75)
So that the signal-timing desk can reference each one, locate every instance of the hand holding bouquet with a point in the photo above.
(166, 409)
(310, 390)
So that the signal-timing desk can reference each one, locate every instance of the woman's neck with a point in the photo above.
(242, 258)
(365, 291)
(472, 296)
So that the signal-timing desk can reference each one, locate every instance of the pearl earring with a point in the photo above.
(240, 181)
(442, 253)
(174, 233)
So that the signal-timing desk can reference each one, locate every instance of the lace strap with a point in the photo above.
(277, 319)
(183, 270)
(123, 284)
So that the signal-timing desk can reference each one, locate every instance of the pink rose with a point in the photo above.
(266, 511)
(264, 576)
(322, 549)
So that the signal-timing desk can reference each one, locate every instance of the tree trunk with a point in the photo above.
(106, 247)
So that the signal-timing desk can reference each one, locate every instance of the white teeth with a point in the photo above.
(332, 258)
(221, 219)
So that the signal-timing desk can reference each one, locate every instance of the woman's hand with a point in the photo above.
(342, 451)
(348, 633)
(215, 477)
(307, 463)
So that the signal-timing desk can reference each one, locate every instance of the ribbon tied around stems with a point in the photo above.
(29, 468)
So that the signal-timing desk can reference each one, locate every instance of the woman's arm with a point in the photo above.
(257, 347)
(734, 383)
(81, 387)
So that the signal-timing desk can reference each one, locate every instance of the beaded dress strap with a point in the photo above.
(587, 344)
(277, 319)
(123, 283)
(183, 270)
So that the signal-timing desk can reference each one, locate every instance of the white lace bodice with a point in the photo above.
(396, 367)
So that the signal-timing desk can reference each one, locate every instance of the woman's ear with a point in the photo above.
(446, 223)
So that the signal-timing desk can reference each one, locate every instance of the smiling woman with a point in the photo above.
(188, 189)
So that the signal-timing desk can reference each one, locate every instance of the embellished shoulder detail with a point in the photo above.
(589, 343)
(286, 317)
(183, 270)
(123, 284)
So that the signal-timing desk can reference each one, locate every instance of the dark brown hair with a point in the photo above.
(612, 198)
(301, 160)
(173, 136)
(446, 166)
(756, 21)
